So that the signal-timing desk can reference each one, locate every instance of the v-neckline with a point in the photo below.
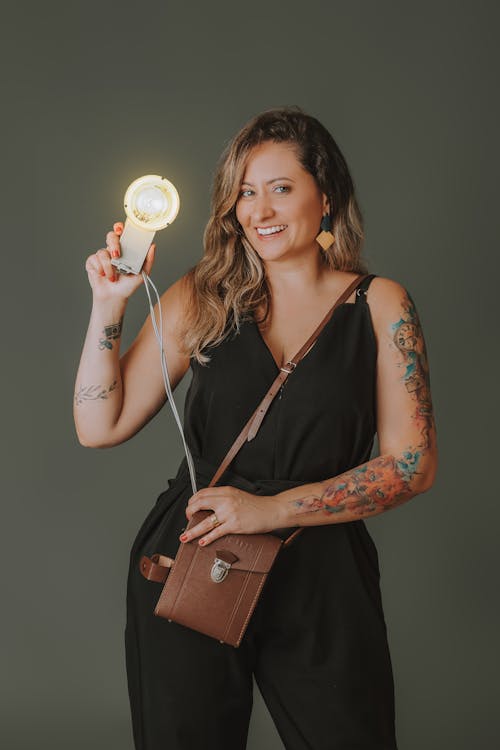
(271, 355)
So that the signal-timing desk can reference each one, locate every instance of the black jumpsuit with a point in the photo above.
(317, 640)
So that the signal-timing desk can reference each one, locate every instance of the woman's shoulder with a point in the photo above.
(384, 292)
(390, 304)
(381, 292)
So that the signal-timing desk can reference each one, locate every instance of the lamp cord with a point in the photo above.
(164, 370)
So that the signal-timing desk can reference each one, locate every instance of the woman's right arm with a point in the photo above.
(115, 397)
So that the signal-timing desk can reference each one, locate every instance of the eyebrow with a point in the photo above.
(275, 179)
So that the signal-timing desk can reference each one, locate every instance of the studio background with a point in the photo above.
(99, 94)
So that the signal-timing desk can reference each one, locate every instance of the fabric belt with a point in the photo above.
(205, 471)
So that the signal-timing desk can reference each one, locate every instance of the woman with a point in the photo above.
(282, 243)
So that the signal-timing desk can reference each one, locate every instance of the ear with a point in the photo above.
(326, 205)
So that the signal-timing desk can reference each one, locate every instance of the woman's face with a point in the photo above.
(280, 206)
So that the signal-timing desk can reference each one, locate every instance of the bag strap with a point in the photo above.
(153, 568)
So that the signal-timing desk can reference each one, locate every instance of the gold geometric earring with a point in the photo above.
(325, 237)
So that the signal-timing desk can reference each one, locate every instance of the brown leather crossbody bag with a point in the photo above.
(215, 589)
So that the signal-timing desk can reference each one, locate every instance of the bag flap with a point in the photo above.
(248, 552)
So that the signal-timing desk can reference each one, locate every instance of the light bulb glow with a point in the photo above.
(151, 202)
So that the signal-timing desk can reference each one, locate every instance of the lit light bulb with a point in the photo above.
(151, 203)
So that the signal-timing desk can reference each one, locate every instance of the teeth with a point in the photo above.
(271, 230)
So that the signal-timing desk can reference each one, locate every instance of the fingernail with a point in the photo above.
(115, 254)
(183, 537)
(202, 542)
(103, 273)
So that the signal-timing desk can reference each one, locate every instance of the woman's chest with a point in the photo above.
(287, 332)
(337, 370)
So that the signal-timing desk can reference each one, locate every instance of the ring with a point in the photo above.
(215, 520)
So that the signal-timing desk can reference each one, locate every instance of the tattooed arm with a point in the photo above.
(406, 428)
(116, 396)
(98, 389)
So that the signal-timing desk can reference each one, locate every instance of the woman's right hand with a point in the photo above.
(105, 279)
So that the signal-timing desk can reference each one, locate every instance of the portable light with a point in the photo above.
(151, 203)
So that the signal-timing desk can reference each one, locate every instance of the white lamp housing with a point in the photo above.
(151, 203)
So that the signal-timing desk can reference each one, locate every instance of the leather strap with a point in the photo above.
(158, 566)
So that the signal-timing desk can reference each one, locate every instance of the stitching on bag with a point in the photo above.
(252, 607)
(264, 578)
(243, 591)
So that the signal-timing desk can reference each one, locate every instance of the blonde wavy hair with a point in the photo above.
(228, 284)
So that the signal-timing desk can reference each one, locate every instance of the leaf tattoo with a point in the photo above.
(93, 392)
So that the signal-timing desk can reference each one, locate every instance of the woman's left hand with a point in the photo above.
(239, 512)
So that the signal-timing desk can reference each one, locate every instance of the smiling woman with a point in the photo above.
(282, 245)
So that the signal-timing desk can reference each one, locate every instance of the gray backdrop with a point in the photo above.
(100, 93)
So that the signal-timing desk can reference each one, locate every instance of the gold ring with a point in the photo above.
(215, 520)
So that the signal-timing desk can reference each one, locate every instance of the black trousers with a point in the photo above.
(316, 644)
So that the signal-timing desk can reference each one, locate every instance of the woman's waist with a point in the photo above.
(205, 470)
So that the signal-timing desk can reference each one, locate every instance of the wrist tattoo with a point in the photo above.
(111, 333)
(93, 392)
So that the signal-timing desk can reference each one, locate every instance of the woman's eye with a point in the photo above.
(279, 188)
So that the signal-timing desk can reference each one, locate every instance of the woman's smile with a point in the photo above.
(268, 233)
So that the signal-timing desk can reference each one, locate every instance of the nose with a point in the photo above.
(262, 208)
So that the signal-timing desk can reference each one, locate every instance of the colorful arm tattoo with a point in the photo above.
(373, 487)
(111, 333)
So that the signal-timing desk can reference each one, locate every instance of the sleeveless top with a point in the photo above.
(321, 424)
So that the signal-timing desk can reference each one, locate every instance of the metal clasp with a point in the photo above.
(291, 364)
(219, 571)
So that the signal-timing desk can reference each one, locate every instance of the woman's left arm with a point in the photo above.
(406, 427)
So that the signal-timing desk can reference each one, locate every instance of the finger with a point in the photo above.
(113, 244)
(213, 535)
(200, 503)
(105, 260)
(208, 493)
(92, 265)
(118, 227)
(94, 273)
(204, 532)
(203, 527)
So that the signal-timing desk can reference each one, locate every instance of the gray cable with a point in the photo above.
(166, 379)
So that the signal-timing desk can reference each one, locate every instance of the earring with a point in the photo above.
(325, 237)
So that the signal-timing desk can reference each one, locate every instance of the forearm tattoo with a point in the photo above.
(386, 481)
(111, 333)
(93, 392)
(372, 487)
